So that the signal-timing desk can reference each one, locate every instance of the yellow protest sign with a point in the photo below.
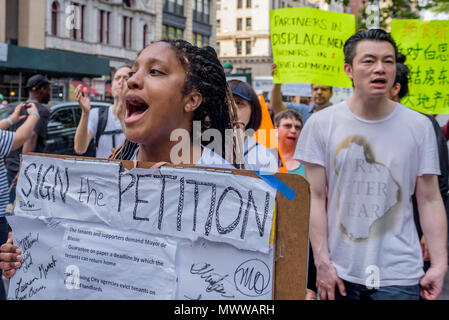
(308, 45)
(425, 44)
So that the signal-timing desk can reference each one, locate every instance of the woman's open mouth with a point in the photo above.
(135, 108)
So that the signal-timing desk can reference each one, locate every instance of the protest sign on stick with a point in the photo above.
(308, 45)
(95, 229)
(425, 45)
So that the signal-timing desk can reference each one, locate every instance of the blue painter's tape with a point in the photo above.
(277, 183)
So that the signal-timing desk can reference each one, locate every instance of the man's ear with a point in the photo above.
(394, 92)
(348, 70)
(192, 101)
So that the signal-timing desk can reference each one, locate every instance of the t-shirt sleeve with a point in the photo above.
(428, 151)
(92, 124)
(6, 141)
(310, 147)
(41, 126)
(293, 106)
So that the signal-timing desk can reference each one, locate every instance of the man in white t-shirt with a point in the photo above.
(112, 136)
(364, 159)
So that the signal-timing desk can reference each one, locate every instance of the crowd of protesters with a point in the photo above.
(365, 158)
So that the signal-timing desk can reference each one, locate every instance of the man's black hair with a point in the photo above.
(402, 72)
(371, 35)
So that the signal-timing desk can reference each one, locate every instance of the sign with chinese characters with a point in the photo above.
(308, 45)
(425, 44)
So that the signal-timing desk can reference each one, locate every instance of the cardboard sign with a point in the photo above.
(426, 45)
(308, 45)
(108, 234)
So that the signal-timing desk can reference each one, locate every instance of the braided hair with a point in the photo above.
(205, 74)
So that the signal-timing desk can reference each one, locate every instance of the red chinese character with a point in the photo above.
(426, 31)
(441, 31)
(410, 30)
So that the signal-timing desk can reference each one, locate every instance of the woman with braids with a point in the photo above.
(249, 112)
(171, 84)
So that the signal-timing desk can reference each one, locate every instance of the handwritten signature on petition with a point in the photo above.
(213, 279)
(252, 278)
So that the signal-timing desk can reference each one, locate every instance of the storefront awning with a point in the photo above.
(53, 63)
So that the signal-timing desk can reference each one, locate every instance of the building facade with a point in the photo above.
(115, 30)
(191, 20)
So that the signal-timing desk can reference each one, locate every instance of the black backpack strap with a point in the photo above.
(113, 133)
(102, 121)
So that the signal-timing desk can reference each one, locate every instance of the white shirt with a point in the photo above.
(371, 171)
(258, 157)
(208, 159)
(105, 142)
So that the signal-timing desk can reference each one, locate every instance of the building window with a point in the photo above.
(128, 3)
(130, 44)
(174, 6)
(200, 40)
(248, 3)
(201, 11)
(145, 36)
(108, 23)
(218, 25)
(179, 7)
(239, 4)
(169, 5)
(248, 23)
(218, 48)
(77, 32)
(54, 18)
(239, 24)
(205, 41)
(101, 38)
(238, 45)
(243, 70)
(206, 10)
(248, 47)
(105, 18)
(169, 32)
(127, 32)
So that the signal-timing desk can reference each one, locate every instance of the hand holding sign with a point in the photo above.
(10, 257)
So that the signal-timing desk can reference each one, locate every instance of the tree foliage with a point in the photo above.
(396, 9)
(441, 6)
